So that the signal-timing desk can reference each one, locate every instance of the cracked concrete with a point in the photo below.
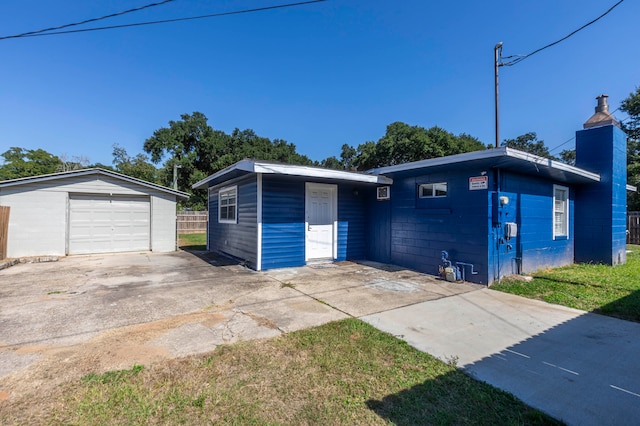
(102, 312)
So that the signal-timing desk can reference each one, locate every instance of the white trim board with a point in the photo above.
(259, 220)
(253, 166)
(488, 154)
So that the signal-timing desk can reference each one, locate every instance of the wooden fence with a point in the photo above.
(192, 222)
(633, 228)
(4, 231)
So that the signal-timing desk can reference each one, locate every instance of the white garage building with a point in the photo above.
(88, 211)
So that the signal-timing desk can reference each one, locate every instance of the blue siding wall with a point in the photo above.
(531, 208)
(236, 239)
(602, 207)
(352, 221)
(283, 238)
(283, 221)
(421, 228)
(470, 225)
(379, 228)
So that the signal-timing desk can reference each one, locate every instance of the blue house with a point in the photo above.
(495, 212)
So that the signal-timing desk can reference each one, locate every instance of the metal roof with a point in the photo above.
(253, 166)
(87, 172)
(503, 158)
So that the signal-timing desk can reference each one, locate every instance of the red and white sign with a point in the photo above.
(478, 182)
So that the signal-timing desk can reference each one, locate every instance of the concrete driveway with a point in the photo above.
(83, 314)
(579, 367)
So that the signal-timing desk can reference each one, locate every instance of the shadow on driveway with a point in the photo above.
(579, 367)
(445, 400)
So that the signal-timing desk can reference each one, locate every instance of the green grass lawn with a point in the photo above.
(344, 372)
(192, 241)
(607, 290)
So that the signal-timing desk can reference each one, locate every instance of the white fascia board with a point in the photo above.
(514, 153)
(441, 161)
(484, 154)
(293, 170)
(306, 171)
(245, 165)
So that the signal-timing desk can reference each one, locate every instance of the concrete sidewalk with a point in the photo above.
(579, 367)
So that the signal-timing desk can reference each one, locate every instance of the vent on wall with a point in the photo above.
(383, 193)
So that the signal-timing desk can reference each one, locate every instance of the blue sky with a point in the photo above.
(318, 76)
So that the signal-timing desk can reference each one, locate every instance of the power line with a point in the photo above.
(573, 137)
(498, 58)
(520, 58)
(165, 21)
(563, 143)
(112, 15)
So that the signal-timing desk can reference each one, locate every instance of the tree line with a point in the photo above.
(199, 151)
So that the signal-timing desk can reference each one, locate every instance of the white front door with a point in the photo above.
(321, 215)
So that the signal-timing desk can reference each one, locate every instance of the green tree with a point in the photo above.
(529, 143)
(138, 167)
(633, 178)
(631, 126)
(74, 163)
(247, 144)
(331, 163)
(568, 156)
(631, 105)
(99, 165)
(348, 156)
(367, 156)
(20, 162)
(199, 150)
(403, 143)
(345, 162)
(194, 146)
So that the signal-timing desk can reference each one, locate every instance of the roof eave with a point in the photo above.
(514, 153)
(306, 171)
(252, 166)
(488, 154)
(91, 171)
(245, 165)
(439, 161)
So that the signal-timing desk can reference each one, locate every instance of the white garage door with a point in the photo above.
(105, 224)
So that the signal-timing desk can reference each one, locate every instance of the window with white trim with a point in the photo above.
(432, 190)
(560, 212)
(228, 205)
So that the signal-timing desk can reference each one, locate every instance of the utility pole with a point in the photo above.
(497, 56)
